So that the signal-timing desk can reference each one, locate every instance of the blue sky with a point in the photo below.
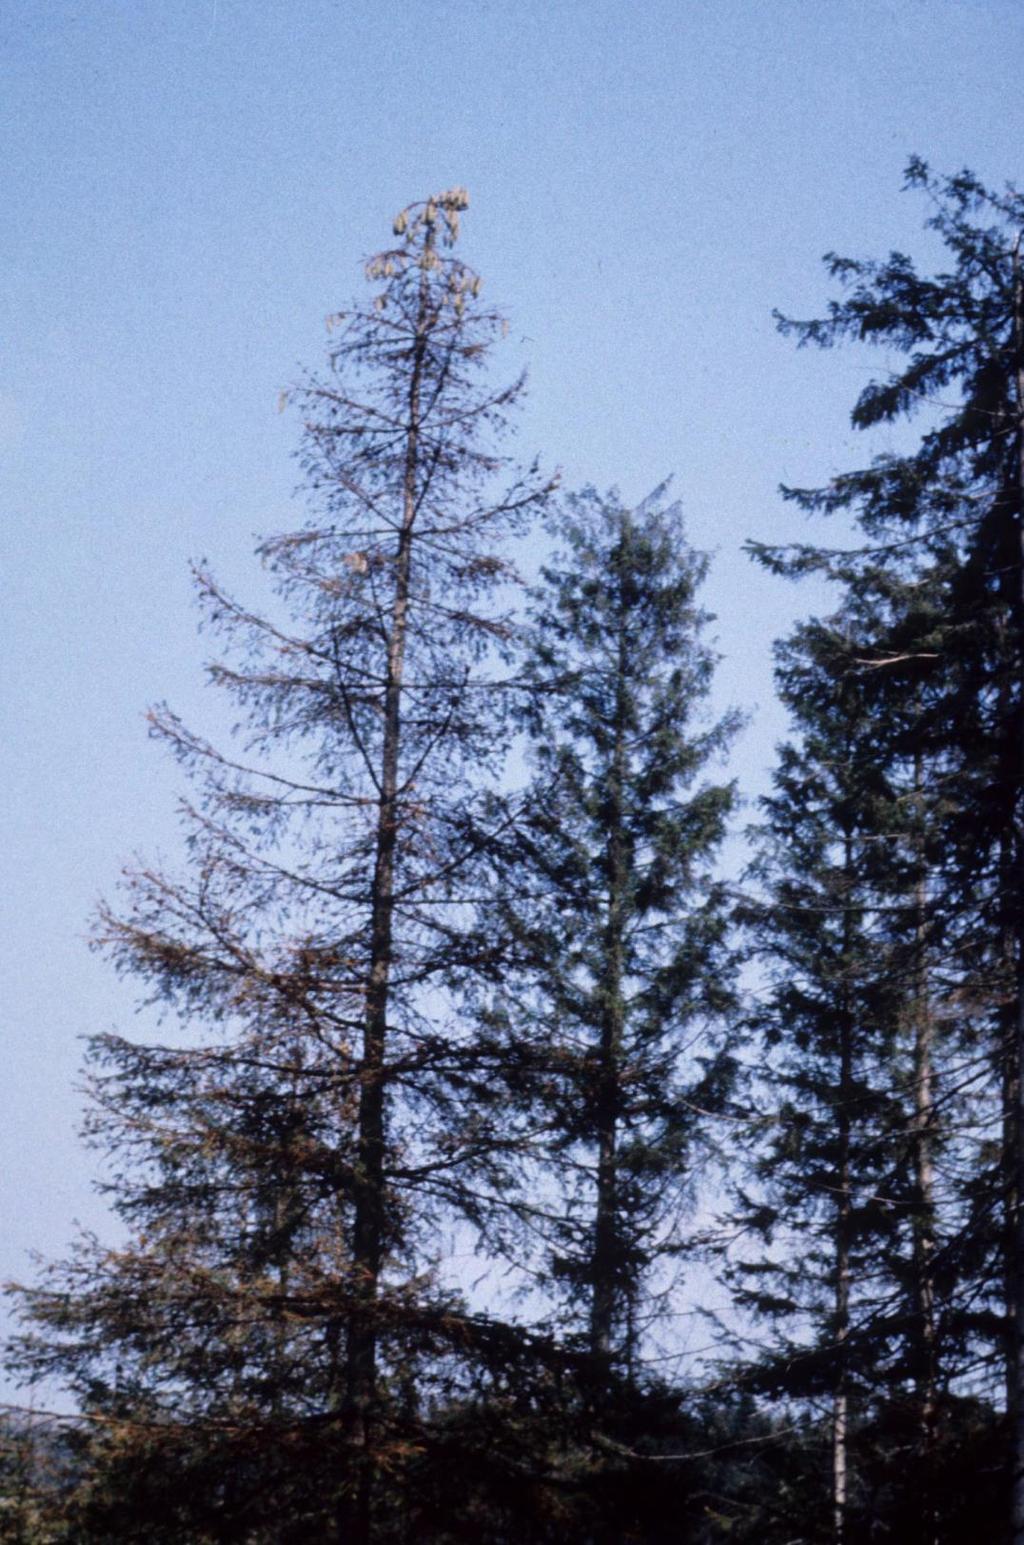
(188, 189)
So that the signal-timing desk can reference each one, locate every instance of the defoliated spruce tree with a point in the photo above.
(254, 1356)
(949, 514)
(622, 930)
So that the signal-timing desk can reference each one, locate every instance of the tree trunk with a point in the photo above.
(1015, 1295)
(370, 1209)
(924, 1199)
(841, 1399)
(605, 1260)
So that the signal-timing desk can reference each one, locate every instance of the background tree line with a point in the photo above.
(417, 995)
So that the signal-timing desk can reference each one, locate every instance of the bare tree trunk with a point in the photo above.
(1011, 1160)
(841, 1399)
(1015, 1402)
(1009, 1052)
(924, 1199)
(606, 1286)
(370, 1211)
(1015, 1295)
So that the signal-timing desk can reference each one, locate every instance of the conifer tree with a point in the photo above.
(622, 930)
(846, 1193)
(254, 1354)
(948, 516)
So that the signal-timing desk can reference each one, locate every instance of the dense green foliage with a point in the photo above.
(623, 979)
(936, 601)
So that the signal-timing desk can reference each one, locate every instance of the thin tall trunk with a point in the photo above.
(1009, 1061)
(605, 1261)
(1010, 1099)
(924, 1198)
(370, 1210)
(841, 1398)
(1015, 1296)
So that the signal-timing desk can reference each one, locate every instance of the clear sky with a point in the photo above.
(188, 187)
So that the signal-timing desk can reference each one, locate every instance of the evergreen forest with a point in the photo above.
(501, 1164)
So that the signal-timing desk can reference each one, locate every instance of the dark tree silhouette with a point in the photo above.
(626, 972)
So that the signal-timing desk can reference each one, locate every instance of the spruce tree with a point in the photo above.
(259, 1355)
(845, 1194)
(948, 516)
(618, 1004)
